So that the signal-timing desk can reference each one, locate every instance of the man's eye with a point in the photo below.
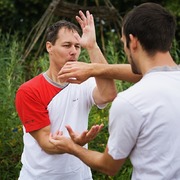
(78, 47)
(66, 45)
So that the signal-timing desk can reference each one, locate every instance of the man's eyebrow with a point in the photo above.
(68, 42)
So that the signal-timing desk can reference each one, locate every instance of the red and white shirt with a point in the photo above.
(40, 102)
(32, 99)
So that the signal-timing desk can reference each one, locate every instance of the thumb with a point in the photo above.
(70, 131)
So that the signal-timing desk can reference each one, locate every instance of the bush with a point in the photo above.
(10, 128)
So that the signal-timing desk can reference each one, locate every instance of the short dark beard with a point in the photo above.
(133, 66)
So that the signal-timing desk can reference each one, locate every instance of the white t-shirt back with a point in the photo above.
(144, 125)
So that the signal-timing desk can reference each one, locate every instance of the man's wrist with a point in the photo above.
(93, 47)
(93, 69)
(74, 148)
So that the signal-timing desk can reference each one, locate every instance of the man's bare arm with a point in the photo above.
(77, 72)
(102, 162)
(42, 137)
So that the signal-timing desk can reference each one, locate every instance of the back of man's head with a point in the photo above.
(153, 25)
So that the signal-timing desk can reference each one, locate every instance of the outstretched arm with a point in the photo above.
(77, 72)
(102, 162)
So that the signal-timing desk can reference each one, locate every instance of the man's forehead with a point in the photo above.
(67, 30)
(66, 35)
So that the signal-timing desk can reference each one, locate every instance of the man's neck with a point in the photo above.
(54, 77)
(160, 59)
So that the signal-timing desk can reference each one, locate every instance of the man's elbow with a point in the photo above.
(110, 171)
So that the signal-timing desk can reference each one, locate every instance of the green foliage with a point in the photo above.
(39, 65)
(174, 8)
(175, 51)
(21, 15)
(11, 76)
(114, 50)
(84, 56)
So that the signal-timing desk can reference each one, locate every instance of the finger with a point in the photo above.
(50, 136)
(89, 17)
(60, 133)
(77, 36)
(53, 141)
(88, 13)
(100, 127)
(92, 132)
(70, 131)
(84, 134)
(65, 69)
(66, 75)
(82, 20)
(83, 17)
(79, 20)
(74, 81)
(55, 134)
(70, 80)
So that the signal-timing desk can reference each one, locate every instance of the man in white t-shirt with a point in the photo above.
(45, 104)
(144, 120)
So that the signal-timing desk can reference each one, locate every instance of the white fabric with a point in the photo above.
(145, 125)
(71, 106)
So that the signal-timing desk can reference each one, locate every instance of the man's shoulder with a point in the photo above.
(32, 83)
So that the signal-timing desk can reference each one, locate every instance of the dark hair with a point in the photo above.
(52, 31)
(152, 25)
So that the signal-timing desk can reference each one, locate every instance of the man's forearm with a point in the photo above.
(102, 162)
(105, 88)
(114, 71)
(96, 55)
(91, 158)
(42, 138)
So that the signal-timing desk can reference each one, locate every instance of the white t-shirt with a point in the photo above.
(71, 106)
(144, 124)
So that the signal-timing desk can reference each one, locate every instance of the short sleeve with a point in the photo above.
(124, 126)
(91, 84)
(32, 112)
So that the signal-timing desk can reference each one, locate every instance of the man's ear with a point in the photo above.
(48, 46)
(133, 41)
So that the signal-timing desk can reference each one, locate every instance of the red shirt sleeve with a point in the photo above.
(32, 99)
(32, 112)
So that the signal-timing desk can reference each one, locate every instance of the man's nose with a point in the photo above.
(73, 50)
